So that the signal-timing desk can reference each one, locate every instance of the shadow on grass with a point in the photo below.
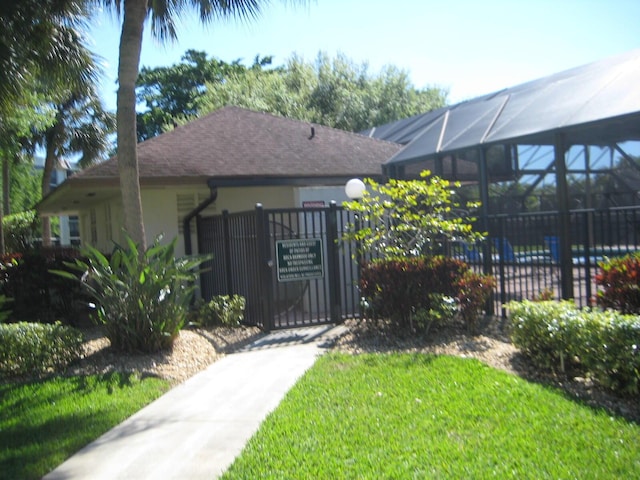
(44, 422)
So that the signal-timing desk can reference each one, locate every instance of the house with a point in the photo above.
(67, 225)
(229, 160)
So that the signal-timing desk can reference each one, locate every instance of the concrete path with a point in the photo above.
(196, 429)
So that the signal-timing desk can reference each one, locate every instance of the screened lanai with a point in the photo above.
(555, 163)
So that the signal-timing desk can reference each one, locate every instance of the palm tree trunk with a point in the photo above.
(135, 12)
(6, 187)
(49, 163)
(4, 181)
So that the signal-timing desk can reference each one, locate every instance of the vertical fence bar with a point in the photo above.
(333, 265)
(265, 264)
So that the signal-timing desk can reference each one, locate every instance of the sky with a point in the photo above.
(470, 47)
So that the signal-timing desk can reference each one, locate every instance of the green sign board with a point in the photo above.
(299, 259)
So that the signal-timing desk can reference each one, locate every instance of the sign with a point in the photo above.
(299, 259)
(313, 204)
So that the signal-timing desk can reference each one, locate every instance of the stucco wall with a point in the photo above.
(164, 208)
(102, 223)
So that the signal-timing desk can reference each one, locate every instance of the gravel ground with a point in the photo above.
(192, 351)
(195, 349)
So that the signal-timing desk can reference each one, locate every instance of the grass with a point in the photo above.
(424, 416)
(44, 422)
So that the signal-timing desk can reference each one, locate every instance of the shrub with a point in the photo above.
(142, 298)
(39, 296)
(33, 348)
(604, 345)
(546, 332)
(20, 231)
(222, 310)
(398, 288)
(620, 280)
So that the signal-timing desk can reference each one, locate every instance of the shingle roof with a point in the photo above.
(235, 142)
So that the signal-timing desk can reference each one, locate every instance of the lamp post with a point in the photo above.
(355, 189)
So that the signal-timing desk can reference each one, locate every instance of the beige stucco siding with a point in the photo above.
(165, 208)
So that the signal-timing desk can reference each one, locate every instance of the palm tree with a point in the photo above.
(41, 36)
(162, 14)
(81, 126)
(40, 44)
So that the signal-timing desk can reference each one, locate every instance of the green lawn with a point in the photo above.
(42, 423)
(423, 416)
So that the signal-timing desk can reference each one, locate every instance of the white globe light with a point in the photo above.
(355, 189)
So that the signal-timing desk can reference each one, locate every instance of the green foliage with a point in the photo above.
(397, 289)
(333, 92)
(409, 218)
(142, 297)
(42, 423)
(559, 336)
(34, 348)
(406, 416)
(20, 231)
(221, 310)
(620, 282)
(170, 93)
(25, 184)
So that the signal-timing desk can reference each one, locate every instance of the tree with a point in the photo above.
(335, 92)
(409, 218)
(39, 36)
(81, 126)
(162, 15)
(170, 93)
(41, 48)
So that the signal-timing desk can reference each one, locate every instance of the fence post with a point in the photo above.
(265, 266)
(333, 265)
(226, 248)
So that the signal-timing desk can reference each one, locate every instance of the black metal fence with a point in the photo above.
(291, 265)
(525, 252)
(295, 269)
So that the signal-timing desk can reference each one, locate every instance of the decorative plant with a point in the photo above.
(409, 218)
(142, 298)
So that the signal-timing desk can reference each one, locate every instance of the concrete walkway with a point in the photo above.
(196, 429)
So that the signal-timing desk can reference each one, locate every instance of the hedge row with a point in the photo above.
(36, 349)
(558, 336)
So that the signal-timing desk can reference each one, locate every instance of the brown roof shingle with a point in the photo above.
(234, 142)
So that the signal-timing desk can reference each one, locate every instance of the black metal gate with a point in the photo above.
(291, 265)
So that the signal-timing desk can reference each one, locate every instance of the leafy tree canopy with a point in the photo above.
(170, 93)
(335, 92)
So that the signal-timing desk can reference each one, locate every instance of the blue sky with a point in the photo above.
(471, 47)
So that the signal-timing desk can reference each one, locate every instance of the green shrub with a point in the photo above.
(34, 348)
(546, 331)
(611, 350)
(20, 231)
(603, 345)
(398, 288)
(222, 310)
(142, 297)
(620, 282)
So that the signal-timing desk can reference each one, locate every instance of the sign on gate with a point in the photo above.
(299, 259)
